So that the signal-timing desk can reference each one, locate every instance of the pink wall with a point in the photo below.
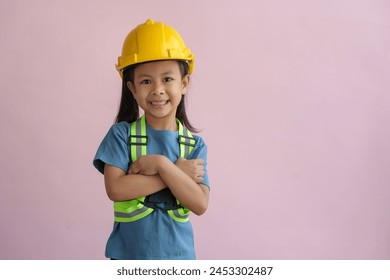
(293, 97)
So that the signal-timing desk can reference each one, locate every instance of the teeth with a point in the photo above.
(159, 102)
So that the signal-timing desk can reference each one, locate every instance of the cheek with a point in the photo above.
(137, 96)
(137, 93)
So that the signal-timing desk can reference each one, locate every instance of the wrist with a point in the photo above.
(162, 162)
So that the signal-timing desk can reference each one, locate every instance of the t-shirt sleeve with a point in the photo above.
(114, 149)
(200, 151)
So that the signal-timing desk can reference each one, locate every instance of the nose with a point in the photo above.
(158, 88)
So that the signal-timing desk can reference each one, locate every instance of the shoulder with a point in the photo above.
(114, 148)
(122, 128)
(200, 149)
(199, 141)
(118, 131)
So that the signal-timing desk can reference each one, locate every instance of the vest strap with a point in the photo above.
(133, 210)
(179, 215)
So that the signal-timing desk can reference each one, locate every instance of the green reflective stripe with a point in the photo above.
(182, 147)
(131, 210)
(186, 141)
(138, 139)
(179, 215)
(133, 148)
(131, 214)
(138, 148)
(142, 212)
(181, 212)
(142, 124)
(133, 218)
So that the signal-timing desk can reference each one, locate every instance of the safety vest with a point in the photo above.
(133, 210)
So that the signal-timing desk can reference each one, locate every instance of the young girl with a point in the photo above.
(154, 168)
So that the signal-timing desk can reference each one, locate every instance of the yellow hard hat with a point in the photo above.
(153, 41)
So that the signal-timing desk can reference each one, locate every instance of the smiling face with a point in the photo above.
(158, 88)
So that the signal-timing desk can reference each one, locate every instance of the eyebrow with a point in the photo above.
(169, 72)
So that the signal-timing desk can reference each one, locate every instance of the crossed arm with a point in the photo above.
(152, 173)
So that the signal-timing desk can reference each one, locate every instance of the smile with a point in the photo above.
(159, 102)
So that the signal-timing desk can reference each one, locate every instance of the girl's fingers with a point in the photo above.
(133, 169)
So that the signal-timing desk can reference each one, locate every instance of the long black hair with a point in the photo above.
(128, 107)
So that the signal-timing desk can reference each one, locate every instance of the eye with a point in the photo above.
(168, 79)
(145, 82)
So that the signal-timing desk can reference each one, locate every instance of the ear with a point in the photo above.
(131, 87)
(185, 82)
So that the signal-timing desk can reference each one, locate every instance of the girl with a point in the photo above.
(154, 168)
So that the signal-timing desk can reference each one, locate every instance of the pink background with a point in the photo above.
(292, 96)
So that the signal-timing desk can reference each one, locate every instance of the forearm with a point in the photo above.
(121, 186)
(194, 196)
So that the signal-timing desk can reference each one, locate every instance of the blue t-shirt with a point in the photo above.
(157, 236)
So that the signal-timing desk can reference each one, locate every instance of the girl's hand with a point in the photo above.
(147, 165)
(193, 168)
